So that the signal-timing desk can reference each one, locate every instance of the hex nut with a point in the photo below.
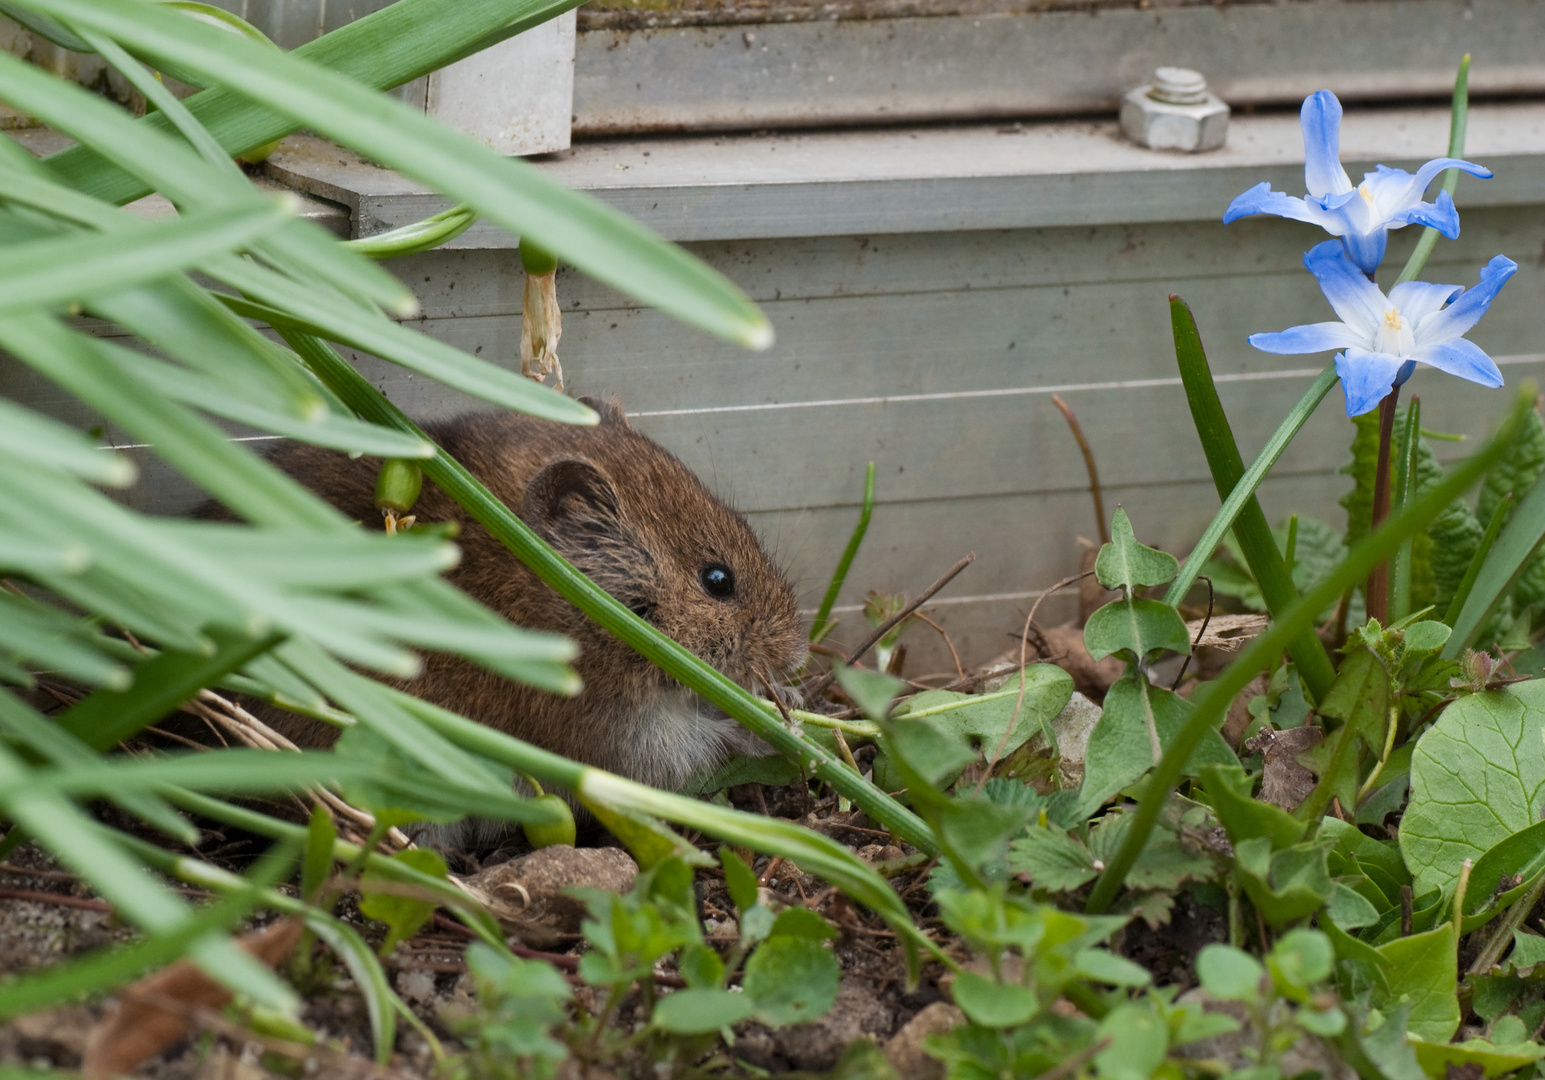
(1175, 112)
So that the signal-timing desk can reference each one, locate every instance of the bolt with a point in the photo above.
(1175, 112)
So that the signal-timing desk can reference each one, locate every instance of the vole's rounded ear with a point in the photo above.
(570, 494)
(610, 410)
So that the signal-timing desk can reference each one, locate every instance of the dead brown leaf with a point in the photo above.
(1284, 782)
(157, 1010)
(1228, 632)
(1238, 718)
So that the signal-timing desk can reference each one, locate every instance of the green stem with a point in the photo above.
(1501, 935)
(1213, 699)
(1467, 583)
(1250, 527)
(1377, 590)
(1405, 483)
(821, 626)
(602, 608)
(1459, 119)
(1244, 491)
(468, 910)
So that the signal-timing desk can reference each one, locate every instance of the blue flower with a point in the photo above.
(1385, 338)
(1362, 216)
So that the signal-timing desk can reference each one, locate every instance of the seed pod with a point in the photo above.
(535, 260)
(549, 834)
(398, 484)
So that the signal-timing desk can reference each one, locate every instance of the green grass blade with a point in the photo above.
(1244, 491)
(819, 628)
(52, 273)
(1250, 528)
(39, 637)
(1482, 550)
(479, 921)
(107, 717)
(384, 49)
(281, 300)
(235, 771)
(130, 608)
(1497, 569)
(50, 743)
(201, 452)
(1459, 119)
(371, 704)
(330, 429)
(167, 164)
(37, 440)
(302, 560)
(1212, 700)
(583, 231)
(159, 98)
(296, 247)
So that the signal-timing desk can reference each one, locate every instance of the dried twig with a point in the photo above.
(225, 714)
(886, 627)
(1024, 649)
(1199, 634)
(56, 898)
(960, 672)
(1094, 473)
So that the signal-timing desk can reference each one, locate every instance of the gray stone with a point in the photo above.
(905, 1050)
(527, 893)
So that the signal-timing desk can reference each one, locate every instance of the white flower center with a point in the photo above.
(1395, 336)
(1366, 192)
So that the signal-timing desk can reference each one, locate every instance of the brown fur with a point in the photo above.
(642, 526)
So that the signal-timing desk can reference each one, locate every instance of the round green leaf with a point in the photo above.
(697, 1012)
(1299, 960)
(1139, 1040)
(1477, 777)
(993, 1004)
(801, 922)
(1137, 626)
(1228, 973)
(791, 980)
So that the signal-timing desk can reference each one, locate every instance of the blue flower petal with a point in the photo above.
(1456, 319)
(1462, 358)
(1320, 119)
(1365, 249)
(1441, 215)
(1418, 299)
(1425, 174)
(1356, 299)
(1366, 377)
(1310, 338)
(1261, 199)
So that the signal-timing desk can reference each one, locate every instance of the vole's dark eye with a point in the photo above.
(717, 581)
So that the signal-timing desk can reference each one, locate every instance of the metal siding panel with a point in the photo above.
(1041, 63)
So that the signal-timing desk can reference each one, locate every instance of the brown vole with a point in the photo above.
(633, 518)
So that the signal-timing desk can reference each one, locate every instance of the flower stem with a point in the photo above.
(1378, 581)
(1459, 122)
